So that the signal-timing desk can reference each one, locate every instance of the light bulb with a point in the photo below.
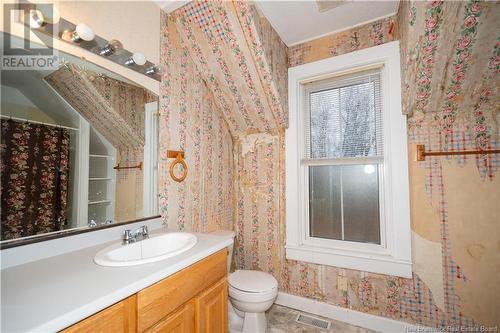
(139, 58)
(113, 46)
(369, 169)
(84, 32)
(36, 19)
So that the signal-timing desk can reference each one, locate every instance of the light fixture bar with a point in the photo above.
(95, 45)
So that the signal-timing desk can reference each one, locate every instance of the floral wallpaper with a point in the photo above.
(268, 50)
(450, 59)
(113, 108)
(191, 121)
(225, 46)
(452, 258)
(346, 41)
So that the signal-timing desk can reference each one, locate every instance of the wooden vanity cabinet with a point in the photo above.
(191, 300)
(119, 317)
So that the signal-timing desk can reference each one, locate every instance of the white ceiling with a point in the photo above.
(300, 21)
(170, 5)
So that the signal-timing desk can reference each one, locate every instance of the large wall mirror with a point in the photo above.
(78, 149)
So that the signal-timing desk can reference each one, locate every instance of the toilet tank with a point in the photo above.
(227, 234)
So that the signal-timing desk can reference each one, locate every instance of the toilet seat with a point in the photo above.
(252, 286)
(252, 281)
(252, 297)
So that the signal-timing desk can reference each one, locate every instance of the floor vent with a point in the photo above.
(313, 321)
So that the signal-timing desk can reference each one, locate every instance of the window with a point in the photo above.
(347, 178)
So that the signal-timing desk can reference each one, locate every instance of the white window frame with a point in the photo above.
(393, 255)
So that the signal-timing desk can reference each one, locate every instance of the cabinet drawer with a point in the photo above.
(156, 302)
(120, 317)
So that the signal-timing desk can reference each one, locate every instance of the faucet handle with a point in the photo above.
(144, 231)
(127, 236)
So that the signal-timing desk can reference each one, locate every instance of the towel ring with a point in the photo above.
(178, 160)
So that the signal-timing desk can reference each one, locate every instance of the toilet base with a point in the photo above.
(254, 323)
(251, 323)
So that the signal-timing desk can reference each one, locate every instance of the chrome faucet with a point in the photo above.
(130, 236)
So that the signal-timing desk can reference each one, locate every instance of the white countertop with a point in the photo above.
(51, 294)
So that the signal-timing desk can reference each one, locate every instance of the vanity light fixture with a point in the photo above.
(151, 70)
(112, 47)
(82, 32)
(136, 58)
(37, 19)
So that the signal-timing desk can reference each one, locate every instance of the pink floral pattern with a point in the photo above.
(227, 64)
(191, 121)
(433, 24)
(260, 219)
(465, 43)
(412, 15)
(367, 35)
(482, 132)
(112, 107)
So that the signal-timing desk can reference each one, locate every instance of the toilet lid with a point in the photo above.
(252, 281)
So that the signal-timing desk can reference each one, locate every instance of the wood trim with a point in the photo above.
(160, 299)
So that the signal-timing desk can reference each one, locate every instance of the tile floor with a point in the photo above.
(281, 319)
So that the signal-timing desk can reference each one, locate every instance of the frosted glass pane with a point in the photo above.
(324, 202)
(344, 203)
(361, 203)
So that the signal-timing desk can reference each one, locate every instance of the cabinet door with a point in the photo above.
(211, 309)
(159, 300)
(181, 321)
(120, 317)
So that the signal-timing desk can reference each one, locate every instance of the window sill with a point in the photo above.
(362, 261)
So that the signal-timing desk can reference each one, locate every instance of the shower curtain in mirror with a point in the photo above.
(34, 176)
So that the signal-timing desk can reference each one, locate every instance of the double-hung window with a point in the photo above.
(347, 178)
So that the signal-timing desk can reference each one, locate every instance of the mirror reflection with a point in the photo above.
(78, 149)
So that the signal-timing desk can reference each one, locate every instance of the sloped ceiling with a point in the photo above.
(227, 48)
(113, 108)
(31, 85)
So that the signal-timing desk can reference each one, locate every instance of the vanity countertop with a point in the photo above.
(53, 293)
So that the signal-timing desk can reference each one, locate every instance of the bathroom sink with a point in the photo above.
(155, 248)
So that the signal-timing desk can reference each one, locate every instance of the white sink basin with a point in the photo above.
(155, 248)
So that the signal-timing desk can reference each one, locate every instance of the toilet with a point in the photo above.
(251, 294)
